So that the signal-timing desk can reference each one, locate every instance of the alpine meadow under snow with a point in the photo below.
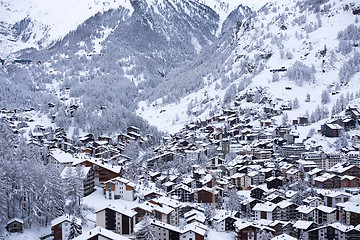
(179, 119)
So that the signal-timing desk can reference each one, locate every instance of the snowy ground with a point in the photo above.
(29, 234)
(214, 235)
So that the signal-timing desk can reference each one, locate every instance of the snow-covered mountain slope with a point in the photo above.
(39, 23)
(284, 34)
(173, 56)
(113, 59)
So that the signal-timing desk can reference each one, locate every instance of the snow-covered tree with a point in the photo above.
(132, 150)
(299, 73)
(74, 190)
(325, 97)
(75, 229)
(230, 94)
(144, 231)
(296, 103)
(275, 77)
(284, 119)
(232, 201)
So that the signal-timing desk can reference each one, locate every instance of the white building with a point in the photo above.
(119, 220)
(60, 159)
(120, 188)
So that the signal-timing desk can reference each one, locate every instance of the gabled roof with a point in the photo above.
(64, 218)
(84, 171)
(224, 214)
(284, 236)
(150, 207)
(19, 220)
(127, 212)
(333, 194)
(301, 224)
(196, 227)
(122, 180)
(62, 157)
(100, 163)
(314, 171)
(305, 209)
(350, 207)
(242, 224)
(265, 207)
(284, 204)
(334, 126)
(326, 209)
(181, 186)
(99, 231)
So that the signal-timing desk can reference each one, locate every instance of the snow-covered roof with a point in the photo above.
(326, 209)
(284, 204)
(292, 171)
(192, 213)
(284, 236)
(84, 171)
(264, 207)
(187, 180)
(241, 224)
(149, 207)
(339, 168)
(15, 220)
(311, 199)
(167, 201)
(223, 214)
(100, 163)
(314, 171)
(238, 175)
(350, 207)
(124, 211)
(186, 188)
(123, 180)
(102, 232)
(196, 227)
(341, 227)
(301, 224)
(334, 194)
(62, 157)
(165, 225)
(305, 209)
(64, 218)
(334, 126)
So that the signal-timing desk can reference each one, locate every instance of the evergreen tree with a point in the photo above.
(74, 190)
(296, 103)
(75, 229)
(232, 201)
(144, 230)
(325, 97)
(132, 150)
(275, 77)
(285, 119)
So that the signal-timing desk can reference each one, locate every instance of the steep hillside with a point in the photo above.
(315, 42)
(110, 60)
(39, 24)
(186, 60)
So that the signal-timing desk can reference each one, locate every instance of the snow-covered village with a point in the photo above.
(180, 120)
